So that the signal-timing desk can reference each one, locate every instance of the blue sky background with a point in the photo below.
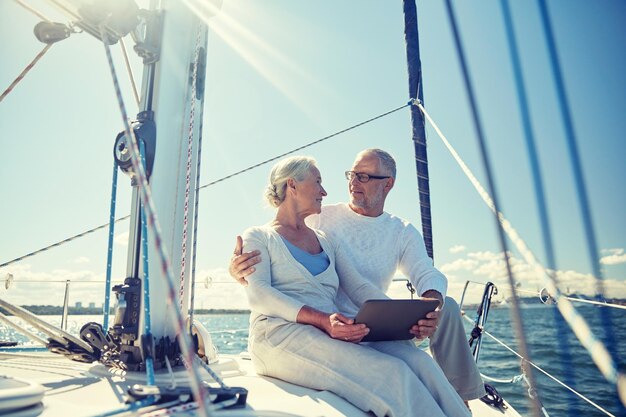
(282, 74)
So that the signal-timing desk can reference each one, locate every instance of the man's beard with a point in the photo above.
(364, 203)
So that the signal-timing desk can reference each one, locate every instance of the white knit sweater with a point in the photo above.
(377, 247)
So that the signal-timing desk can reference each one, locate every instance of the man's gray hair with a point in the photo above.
(385, 158)
(295, 167)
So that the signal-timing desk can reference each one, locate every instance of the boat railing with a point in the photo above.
(521, 377)
(545, 298)
(9, 282)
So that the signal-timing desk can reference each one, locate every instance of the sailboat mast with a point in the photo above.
(176, 106)
(168, 128)
(417, 119)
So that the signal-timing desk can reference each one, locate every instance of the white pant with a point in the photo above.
(451, 351)
(393, 379)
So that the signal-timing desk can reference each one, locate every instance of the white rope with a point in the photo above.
(129, 70)
(581, 329)
(578, 300)
(512, 380)
(215, 376)
(66, 10)
(171, 373)
(33, 10)
(192, 112)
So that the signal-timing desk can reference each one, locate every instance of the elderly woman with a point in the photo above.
(296, 334)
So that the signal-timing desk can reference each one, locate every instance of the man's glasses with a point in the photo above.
(362, 177)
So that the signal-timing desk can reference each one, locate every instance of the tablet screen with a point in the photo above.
(392, 319)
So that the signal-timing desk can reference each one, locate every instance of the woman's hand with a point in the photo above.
(342, 328)
(336, 325)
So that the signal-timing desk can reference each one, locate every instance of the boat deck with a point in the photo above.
(78, 389)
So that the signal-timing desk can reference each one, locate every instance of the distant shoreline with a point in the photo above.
(48, 310)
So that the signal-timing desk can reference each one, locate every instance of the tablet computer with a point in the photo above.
(392, 319)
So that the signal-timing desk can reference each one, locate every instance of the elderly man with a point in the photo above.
(379, 245)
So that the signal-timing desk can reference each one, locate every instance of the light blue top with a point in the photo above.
(314, 263)
(280, 286)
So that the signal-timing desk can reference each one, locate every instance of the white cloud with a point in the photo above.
(490, 266)
(81, 260)
(485, 255)
(121, 239)
(459, 265)
(615, 257)
(457, 249)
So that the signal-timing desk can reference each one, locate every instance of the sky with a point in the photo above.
(281, 74)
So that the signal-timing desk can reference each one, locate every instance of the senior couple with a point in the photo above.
(308, 270)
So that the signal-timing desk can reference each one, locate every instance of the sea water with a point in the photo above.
(549, 344)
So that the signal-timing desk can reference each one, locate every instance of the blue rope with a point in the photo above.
(583, 200)
(107, 286)
(146, 277)
(540, 192)
(516, 313)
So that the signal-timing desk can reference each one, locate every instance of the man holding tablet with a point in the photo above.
(379, 245)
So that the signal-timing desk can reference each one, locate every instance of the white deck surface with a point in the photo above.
(76, 389)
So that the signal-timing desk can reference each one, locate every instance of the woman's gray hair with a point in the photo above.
(295, 167)
(385, 158)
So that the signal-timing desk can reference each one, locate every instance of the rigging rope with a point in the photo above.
(603, 304)
(577, 323)
(583, 200)
(568, 125)
(190, 134)
(102, 226)
(59, 243)
(578, 300)
(146, 284)
(33, 10)
(25, 71)
(516, 316)
(535, 170)
(146, 196)
(306, 146)
(195, 218)
(129, 70)
(207, 368)
(520, 377)
(107, 285)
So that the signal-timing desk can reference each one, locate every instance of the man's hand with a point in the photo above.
(242, 264)
(428, 326)
(434, 294)
(342, 328)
